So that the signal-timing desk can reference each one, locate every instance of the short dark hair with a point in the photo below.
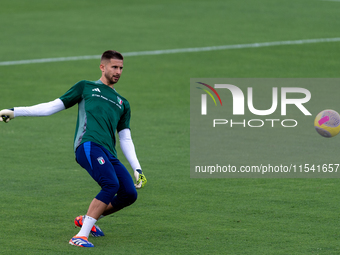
(109, 54)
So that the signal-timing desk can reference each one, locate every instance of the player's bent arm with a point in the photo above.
(128, 149)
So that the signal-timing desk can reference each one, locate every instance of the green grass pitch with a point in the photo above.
(42, 189)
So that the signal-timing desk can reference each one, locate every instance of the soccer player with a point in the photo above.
(101, 112)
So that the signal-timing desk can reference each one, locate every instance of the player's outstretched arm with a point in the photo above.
(39, 110)
(128, 149)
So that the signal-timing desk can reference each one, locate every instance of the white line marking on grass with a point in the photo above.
(173, 51)
(331, 0)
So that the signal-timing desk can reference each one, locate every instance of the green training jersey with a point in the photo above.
(101, 111)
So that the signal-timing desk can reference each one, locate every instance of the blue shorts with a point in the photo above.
(116, 182)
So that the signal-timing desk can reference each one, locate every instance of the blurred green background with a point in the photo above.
(42, 187)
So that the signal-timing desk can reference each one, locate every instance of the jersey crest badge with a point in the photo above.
(101, 160)
(120, 101)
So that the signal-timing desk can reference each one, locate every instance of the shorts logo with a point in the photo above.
(101, 160)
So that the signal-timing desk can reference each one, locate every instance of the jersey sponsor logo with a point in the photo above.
(101, 160)
(119, 104)
(96, 89)
(120, 101)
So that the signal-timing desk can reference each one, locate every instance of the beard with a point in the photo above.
(111, 79)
